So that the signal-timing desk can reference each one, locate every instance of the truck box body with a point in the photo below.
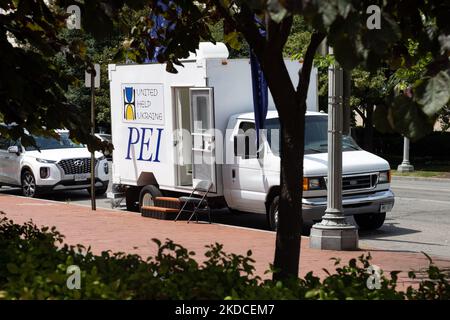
(148, 105)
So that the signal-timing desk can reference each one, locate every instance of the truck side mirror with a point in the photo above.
(13, 149)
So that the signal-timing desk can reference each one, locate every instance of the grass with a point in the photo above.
(418, 173)
(426, 171)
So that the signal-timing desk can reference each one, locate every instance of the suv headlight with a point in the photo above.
(311, 184)
(45, 161)
(384, 176)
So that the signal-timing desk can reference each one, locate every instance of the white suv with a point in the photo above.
(57, 164)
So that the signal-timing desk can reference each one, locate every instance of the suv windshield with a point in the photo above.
(316, 135)
(47, 143)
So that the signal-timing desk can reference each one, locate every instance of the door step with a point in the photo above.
(168, 202)
(165, 208)
(159, 212)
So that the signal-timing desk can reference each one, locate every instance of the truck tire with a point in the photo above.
(272, 213)
(29, 188)
(132, 199)
(147, 194)
(370, 221)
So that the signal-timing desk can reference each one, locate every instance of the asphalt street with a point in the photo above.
(419, 221)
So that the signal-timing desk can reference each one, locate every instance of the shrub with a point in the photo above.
(390, 146)
(34, 262)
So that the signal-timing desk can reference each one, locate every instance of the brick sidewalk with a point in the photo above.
(131, 233)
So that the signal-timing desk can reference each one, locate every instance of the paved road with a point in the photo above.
(420, 220)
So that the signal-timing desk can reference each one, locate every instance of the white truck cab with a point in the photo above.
(252, 182)
(171, 131)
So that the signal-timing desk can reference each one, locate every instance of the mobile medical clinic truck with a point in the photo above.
(172, 131)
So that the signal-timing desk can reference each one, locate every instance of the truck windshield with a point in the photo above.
(47, 143)
(316, 136)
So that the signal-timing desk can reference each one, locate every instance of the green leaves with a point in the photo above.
(12, 268)
(276, 10)
(330, 11)
(32, 86)
(233, 40)
(434, 93)
(407, 117)
(404, 116)
(33, 267)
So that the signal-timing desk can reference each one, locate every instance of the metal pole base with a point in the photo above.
(405, 167)
(333, 233)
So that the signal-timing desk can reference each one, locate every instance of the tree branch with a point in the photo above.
(278, 33)
(305, 72)
(250, 30)
(224, 13)
(244, 23)
(285, 29)
(361, 114)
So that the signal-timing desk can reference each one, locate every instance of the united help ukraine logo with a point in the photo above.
(129, 103)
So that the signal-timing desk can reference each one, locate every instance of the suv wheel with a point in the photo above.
(28, 184)
(370, 221)
(98, 191)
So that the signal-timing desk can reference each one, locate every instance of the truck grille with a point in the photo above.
(76, 166)
(366, 181)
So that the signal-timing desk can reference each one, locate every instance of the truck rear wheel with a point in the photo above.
(272, 214)
(148, 193)
(370, 221)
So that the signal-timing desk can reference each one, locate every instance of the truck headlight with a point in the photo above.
(311, 184)
(384, 176)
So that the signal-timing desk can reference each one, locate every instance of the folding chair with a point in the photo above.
(197, 205)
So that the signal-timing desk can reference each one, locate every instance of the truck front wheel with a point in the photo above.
(370, 221)
(272, 215)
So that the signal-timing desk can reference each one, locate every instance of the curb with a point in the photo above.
(406, 178)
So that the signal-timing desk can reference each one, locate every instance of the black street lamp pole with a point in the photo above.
(92, 73)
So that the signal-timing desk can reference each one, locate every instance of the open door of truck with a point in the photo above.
(202, 129)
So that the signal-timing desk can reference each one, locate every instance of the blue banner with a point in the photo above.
(260, 89)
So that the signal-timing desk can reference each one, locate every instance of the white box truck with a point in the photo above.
(171, 131)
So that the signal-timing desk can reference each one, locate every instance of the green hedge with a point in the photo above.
(433, 147)
(33, 265)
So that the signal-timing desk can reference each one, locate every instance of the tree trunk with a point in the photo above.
(292, 116)
(288, 239)
(291, 106)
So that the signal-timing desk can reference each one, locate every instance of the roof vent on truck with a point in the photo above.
(208, 50)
